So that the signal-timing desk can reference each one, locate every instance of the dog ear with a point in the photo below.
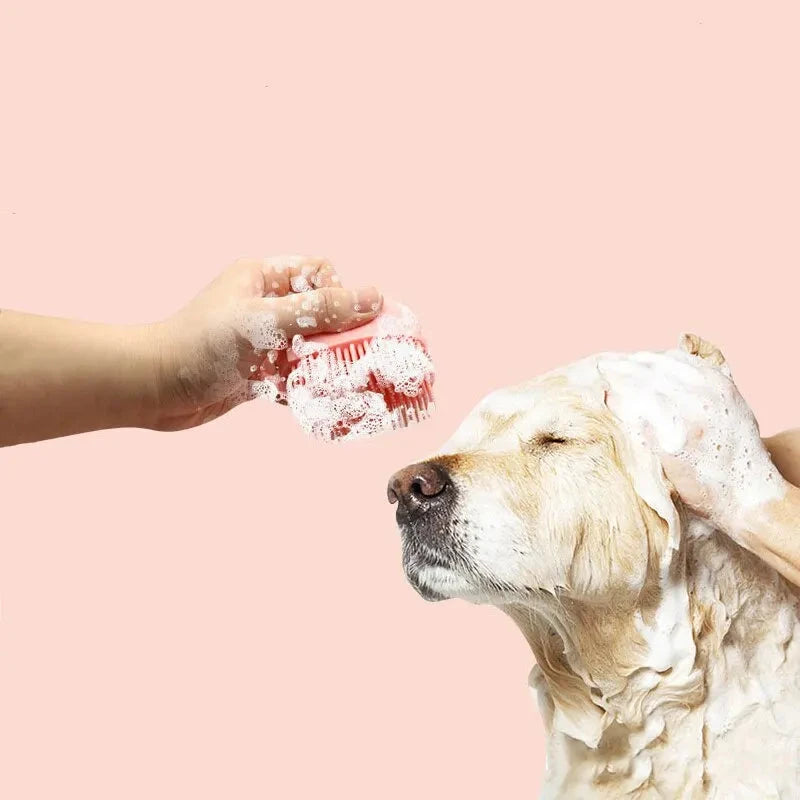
(696, 346)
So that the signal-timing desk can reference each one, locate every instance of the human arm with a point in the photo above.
(59, 377)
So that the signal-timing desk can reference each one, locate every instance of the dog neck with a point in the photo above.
(657, 694)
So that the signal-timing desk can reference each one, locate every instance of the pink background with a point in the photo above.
(221, 613)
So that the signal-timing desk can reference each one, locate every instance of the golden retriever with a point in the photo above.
(667, 657)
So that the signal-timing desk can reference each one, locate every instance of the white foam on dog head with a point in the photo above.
(666, 399)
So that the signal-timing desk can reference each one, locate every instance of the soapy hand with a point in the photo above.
(684, 405)
(232, 338)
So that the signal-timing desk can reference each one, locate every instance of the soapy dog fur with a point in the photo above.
(667, 657)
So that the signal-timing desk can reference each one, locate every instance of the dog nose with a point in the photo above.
(418, 487)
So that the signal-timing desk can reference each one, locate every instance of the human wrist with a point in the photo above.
(156, 347)
(131, 375)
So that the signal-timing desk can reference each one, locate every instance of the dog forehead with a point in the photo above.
(551, 402)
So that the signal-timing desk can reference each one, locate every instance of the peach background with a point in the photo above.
(221, 613)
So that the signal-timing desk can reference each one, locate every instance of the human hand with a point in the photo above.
(684, 405)
(229, 343)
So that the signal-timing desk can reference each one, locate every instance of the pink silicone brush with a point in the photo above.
(362, 381)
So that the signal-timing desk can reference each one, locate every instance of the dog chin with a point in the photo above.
(436, 583)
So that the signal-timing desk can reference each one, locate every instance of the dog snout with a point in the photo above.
(418, 488)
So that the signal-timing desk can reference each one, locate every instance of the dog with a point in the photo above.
(667, 656)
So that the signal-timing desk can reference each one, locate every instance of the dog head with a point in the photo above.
(541, 490)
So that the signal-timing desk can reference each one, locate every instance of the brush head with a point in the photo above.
(360, 382)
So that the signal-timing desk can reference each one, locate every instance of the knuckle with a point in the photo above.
(321, 275)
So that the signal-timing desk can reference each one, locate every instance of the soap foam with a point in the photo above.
(692, 411)
(337, 398)
(262, 332)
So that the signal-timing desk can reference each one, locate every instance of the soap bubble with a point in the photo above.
(341, 394)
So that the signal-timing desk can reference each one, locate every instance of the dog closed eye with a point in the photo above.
(546, 439)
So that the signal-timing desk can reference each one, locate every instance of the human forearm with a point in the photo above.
(772, 531)
(59, 377)
(784, 448)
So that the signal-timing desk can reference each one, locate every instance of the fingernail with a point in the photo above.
(368, 301)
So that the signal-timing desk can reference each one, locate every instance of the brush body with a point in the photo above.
(370, 379)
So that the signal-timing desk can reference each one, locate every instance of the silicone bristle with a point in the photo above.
(404, 410)
(408, 410)
(401, 410)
